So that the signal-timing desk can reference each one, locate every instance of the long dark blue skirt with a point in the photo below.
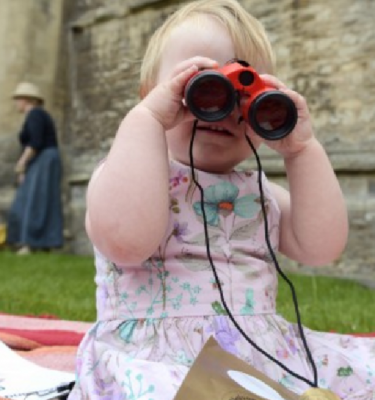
(35, 217)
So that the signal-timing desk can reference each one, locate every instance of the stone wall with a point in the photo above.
(107, 41)
(325, 50)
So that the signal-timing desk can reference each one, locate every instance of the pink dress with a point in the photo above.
(154, 318)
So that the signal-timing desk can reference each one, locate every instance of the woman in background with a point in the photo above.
(35, 219)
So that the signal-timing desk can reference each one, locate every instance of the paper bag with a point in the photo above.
(219, 375)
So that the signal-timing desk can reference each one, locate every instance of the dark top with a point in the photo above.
(38, 130)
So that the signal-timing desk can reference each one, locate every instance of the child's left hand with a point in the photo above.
(302, 133)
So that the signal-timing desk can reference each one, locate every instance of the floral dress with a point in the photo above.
(154, 318)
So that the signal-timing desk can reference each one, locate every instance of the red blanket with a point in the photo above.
(48, 342)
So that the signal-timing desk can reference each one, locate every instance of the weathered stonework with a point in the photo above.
(325, 50)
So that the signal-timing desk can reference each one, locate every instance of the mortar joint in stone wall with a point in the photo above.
(99, 15)
(107, 13)
(138, 5)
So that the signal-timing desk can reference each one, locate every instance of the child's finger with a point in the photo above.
(178, 83)
(298, 100)
(200, 62)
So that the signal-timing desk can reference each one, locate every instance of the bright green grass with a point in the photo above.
(63, 285)
(47, 283)
(328, 304)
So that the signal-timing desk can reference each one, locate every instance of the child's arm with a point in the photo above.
(127, 198)
(314, 222)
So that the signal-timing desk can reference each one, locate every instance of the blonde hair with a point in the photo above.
(248, 35)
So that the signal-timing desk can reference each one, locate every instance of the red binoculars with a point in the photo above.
(212, 94)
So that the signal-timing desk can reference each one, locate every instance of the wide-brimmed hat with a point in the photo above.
(27, 89)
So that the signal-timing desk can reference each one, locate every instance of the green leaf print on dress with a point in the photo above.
(162, 288)
(182, 358)
(126, 330)
(248, 309)
(218, 308)
(163, 291)
(344, 371)
(222, 198)
(134, 392)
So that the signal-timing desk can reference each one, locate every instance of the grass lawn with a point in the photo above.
(63, 285)
(47, 283)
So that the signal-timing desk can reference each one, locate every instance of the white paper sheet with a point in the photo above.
(19, 377)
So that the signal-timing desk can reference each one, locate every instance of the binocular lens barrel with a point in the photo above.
(272, 115)
(210, 96)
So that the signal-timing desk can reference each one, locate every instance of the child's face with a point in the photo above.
(214, 151)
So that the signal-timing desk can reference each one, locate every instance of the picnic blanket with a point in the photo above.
(44, 340)
(48, 341)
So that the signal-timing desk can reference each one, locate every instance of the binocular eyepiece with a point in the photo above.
(212, 94)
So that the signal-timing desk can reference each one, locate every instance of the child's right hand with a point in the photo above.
(164, 101)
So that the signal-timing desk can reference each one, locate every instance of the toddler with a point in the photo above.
(157, 299)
